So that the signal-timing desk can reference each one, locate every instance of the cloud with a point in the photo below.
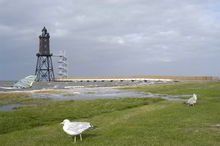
(113, 37)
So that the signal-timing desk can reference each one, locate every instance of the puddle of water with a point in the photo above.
(103, 93)
(176, 97)
(11, 107)
(173, 99)
(88, 94)
(6, 86)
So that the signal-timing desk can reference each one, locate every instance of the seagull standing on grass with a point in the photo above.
(76, 128)
(192, 100)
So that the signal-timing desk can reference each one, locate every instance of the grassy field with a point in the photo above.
(121, 122)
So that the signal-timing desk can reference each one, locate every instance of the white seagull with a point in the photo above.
(76, 128)
(192, 100)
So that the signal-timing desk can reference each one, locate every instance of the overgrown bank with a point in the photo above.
(127, 121)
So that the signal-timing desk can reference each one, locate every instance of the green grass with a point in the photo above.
(12, 98)
(121, 122)
(92, 93)
(49, 112)
(69, 94)
(50, 92)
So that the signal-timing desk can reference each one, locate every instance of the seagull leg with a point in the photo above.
(80, 137)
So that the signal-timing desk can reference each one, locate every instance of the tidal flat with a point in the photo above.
(119, 121)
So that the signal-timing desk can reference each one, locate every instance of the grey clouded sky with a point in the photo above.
(113, 37)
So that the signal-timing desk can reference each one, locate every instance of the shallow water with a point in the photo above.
(11, 107)
(83, 93)
(88, 94)
(87, 90)
(6, 86)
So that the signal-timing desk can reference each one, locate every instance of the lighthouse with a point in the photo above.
(44, 67)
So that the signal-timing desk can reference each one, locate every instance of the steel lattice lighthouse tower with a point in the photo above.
(44, 67)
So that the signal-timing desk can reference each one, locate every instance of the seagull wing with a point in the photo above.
(76, 128)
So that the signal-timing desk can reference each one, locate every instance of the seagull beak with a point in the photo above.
(62, 123)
